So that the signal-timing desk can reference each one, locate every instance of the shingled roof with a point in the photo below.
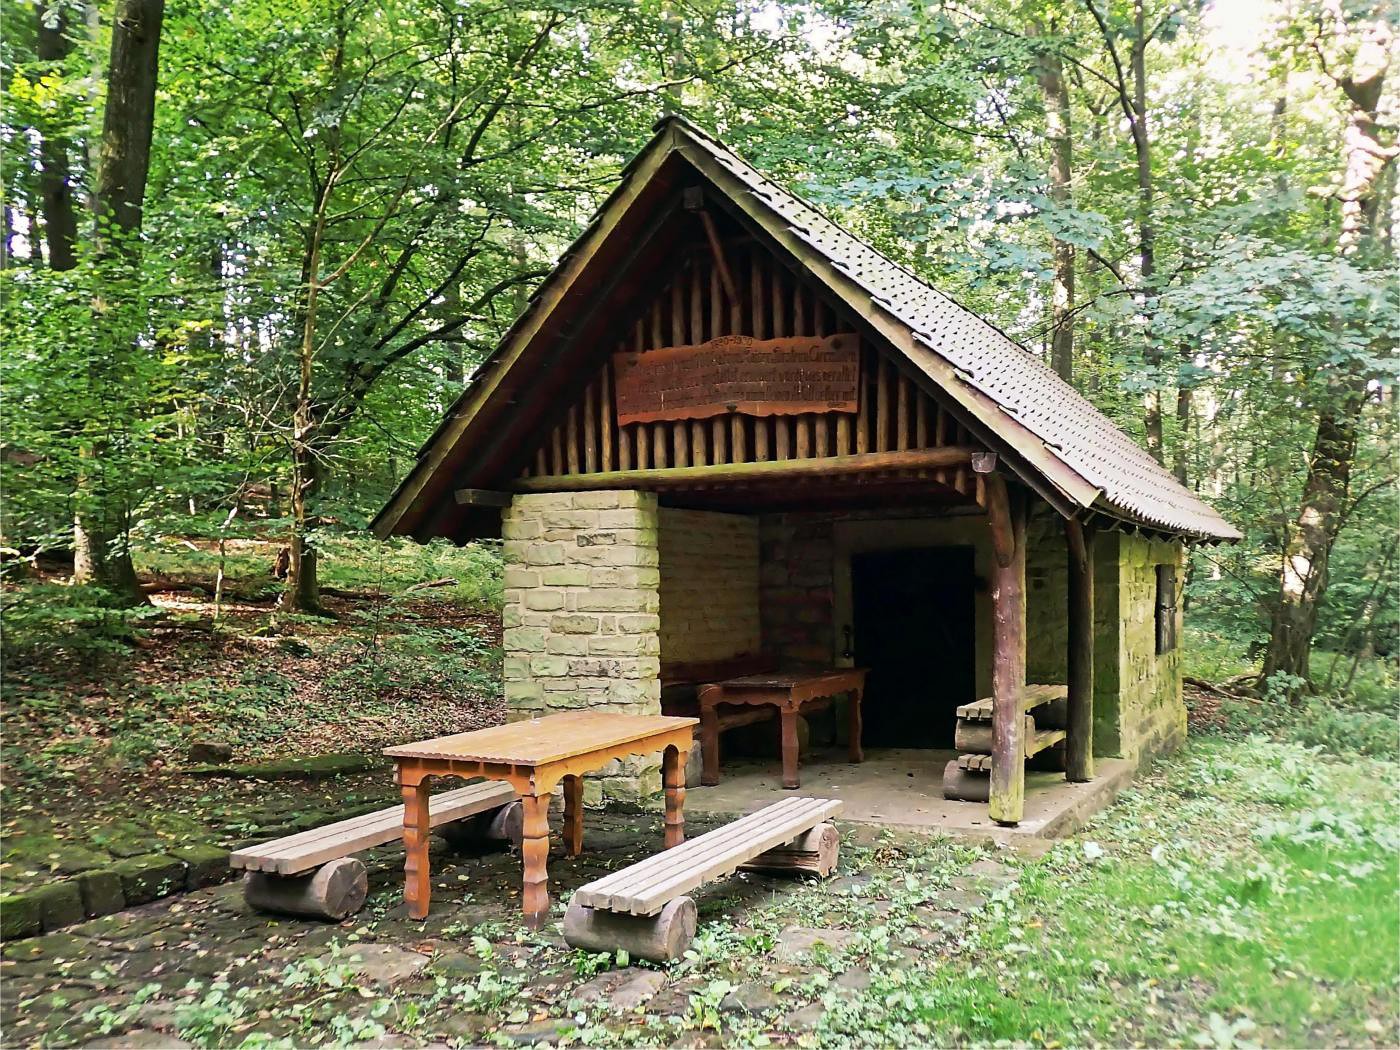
(1085, 459)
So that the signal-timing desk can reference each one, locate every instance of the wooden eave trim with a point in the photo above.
(556, 287)
(981, 407)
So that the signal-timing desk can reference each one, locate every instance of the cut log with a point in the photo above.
(961, 785)
(660, 938)
(976, 737)
(505, 824)
(814, 853)
(332, 891)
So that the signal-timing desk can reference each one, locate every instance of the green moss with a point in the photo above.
(205, 865)
(147, 878)
(21, 915)
(60, 904)
(318, 767)
(102, 892)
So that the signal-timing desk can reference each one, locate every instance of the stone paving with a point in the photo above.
(774, 957)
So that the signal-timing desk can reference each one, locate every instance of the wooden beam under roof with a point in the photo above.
(826, 466)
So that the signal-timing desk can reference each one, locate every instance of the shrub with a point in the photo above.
(43, 621)
(1325, 723)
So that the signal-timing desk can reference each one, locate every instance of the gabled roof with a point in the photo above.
(1056, 439)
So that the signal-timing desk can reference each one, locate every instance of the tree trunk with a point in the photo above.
(102, 554)
(60, 216)
(1147, 228)
(303, 589)
(1055, 91)
(1303, 579)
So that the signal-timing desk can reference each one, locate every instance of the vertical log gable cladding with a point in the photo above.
(694, 307)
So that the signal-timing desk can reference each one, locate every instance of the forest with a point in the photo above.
(252, 252)
(250, 259)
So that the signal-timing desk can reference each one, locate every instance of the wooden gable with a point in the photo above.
(726, 298)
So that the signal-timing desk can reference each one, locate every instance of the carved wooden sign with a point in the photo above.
(737, 373)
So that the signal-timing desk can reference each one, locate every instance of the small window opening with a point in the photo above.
(1166, 608)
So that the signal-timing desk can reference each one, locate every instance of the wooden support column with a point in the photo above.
(1007, 519)
(673, 761)
(1079, 740)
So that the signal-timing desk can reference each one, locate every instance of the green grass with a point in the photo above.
(1244, 892)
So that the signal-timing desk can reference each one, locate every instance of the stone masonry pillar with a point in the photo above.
(582, 616)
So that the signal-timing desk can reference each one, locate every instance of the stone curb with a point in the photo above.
(116, 887)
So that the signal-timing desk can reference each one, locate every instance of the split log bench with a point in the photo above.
(644, 909)
(967, 778)
(313, 873)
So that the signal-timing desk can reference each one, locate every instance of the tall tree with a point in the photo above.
(102, 519)
(1054, 89)
(55, 184)
(1355, 49)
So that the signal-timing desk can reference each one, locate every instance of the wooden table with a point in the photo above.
(534, 757)
(790, 693)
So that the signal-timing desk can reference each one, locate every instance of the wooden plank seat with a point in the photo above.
(1034, 696)
(644, 908)
(312, 873)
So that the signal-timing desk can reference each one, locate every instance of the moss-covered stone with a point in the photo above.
(317, 767)
(102, 892)
(148, 878)
(60, 904)
(21, 915)
(204, 865)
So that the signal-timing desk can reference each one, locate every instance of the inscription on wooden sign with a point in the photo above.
(737, 373)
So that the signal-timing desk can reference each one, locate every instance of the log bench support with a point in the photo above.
(312, 874)
(659, 938)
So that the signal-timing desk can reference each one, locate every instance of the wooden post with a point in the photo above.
(1007, 519)
(534, 851)
(1079, 740)
(855, 750)
(573, 815)
(417, 884)
(673, 777)
(709, 737)
(791, 748)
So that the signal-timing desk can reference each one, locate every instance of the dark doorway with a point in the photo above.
(914, 630)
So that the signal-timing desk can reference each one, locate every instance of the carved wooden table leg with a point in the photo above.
(534, 849)
(854, 728)
(673, 776)
(416, 827)
(573, 815)
(709, 735)
(790, 749)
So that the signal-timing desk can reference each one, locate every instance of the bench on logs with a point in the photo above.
(313, 874)
(967, 778)
(645, 909)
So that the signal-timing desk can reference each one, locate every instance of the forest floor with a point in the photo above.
(1243, 892)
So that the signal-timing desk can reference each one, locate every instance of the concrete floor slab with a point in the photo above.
(903, 788)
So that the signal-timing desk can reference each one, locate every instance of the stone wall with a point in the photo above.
(1047, 599)
(582, 615)
(1152, 713)
(796, 590)
(709, 586)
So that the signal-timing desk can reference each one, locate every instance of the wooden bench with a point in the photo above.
(1044, 708)
(313, 873)
(645, 909)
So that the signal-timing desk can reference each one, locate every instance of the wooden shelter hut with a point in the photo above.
(727, 431)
